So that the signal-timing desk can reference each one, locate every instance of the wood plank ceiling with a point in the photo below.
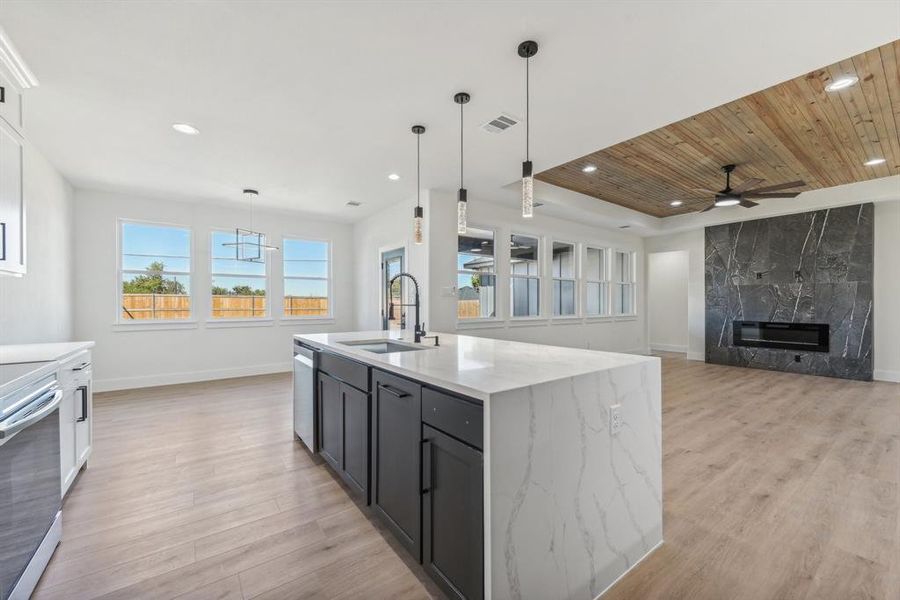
(794, 130)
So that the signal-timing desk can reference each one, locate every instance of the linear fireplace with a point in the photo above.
(810, 337)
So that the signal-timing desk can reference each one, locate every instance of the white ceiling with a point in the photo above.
(311, 102)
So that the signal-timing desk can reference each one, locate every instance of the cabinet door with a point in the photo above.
(12, 203)
(83, 420)
(67, 456)
(453, 505)
(331, 420)
(356, 438)
(396, 436)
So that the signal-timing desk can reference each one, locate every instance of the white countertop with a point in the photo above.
(20, 353)
(474, 366)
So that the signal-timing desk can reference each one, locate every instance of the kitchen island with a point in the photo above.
(547, 459)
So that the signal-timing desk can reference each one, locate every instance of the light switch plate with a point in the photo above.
(615, 419)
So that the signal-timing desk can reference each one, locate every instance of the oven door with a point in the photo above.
(29, 485)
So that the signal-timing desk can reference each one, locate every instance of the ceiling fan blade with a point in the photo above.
(708, 208)
(778, 186)
(746, 185)
(758, 196)
(749, 203)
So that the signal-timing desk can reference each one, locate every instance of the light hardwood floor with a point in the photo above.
(776, 486)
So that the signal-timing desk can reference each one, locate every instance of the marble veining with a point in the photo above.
(813, 267)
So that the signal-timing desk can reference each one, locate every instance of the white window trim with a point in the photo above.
(474, 321)
(606, 262)
(574, 279)
(262, 320)
(330, 280)
(632, 263)
(147, 324)
(542, 288)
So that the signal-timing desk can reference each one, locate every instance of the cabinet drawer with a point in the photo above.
(348, 371)
(460, 418)
(11, 104)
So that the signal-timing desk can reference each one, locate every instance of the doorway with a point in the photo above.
(392, 263)
(667, 300)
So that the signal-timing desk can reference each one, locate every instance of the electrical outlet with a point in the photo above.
(615, 419)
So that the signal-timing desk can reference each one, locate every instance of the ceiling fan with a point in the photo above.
(744, 193)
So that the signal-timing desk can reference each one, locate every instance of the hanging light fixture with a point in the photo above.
(417, 212)
(461, 200)
(527, 49)
(249, 245)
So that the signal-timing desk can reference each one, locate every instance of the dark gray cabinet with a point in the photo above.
(356, 438)
(452, 514)
(330, 420)
(396, 439)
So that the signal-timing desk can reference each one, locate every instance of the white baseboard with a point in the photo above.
(886, 375)
(639, 561)
(127, 383)
(696, 356)
(668, 348)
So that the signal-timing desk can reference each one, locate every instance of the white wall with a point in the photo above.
(134, 355)
(667, 300)
(388, 229)
(38, 306)
(624, 334)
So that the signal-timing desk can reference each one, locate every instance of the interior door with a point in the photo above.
(392, 263)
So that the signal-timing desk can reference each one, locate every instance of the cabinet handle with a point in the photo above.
(82, 366)
(2, 94)
(426, 466)
(84, 403)
(393, 391)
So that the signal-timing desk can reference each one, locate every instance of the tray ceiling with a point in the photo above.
(793, 130)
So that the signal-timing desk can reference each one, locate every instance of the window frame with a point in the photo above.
(539, 278)
(329, 280)
(604, 281)
(576, 263)
(211, 320)
(631, 282)
(120, 271)
(494, 271)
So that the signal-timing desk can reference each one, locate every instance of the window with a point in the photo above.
(306, 278)
(475, 278)
(238, 286)
(525, 280)
(563, 268)
(154, 272)
(596, 282)
(623, 290)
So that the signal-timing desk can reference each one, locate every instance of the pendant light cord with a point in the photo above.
(527, 110)
(460, 145)
(418, 168)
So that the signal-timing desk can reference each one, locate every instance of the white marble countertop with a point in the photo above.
(474, 366)
(21, 353)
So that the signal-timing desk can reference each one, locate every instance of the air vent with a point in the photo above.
(538, 204)
(354, 203)
(624, 226)
(500, 123)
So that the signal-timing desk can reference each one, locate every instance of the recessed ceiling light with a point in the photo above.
(841, 83)
(874, 161)
(393, 177)
(676, 203)
(185, 128)
(589, 168)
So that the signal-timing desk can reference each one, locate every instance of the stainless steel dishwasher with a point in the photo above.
(304, 395)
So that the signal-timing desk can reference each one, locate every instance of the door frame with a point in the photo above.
(382, 292)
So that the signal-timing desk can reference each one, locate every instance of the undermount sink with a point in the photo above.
(384, 346)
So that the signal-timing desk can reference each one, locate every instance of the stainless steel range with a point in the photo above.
(30, 523)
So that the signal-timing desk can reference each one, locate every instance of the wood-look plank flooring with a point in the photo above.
(776, 486)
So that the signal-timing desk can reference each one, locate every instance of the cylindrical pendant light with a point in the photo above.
(462, 196)
(526, 50)
(417, 212)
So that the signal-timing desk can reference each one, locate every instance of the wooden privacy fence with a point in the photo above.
(178, 306)
(468, 309)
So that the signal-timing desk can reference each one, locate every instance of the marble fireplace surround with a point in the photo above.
(813, 267)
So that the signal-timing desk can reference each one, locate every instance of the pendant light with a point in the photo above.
(249, 245)
(417, 212)
(461, 200)
(526, 50)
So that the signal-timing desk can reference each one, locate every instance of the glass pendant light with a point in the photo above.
(462, 197)
(526, 50)
(417, 212)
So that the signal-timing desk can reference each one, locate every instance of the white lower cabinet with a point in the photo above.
(75, 417)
